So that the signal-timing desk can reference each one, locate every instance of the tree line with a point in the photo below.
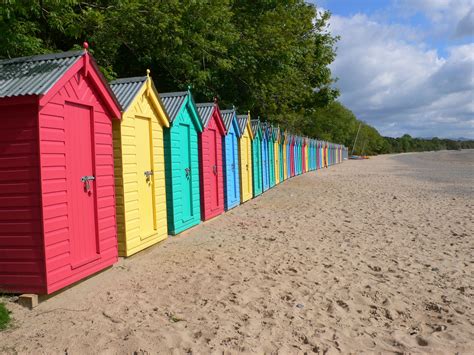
(269, 57)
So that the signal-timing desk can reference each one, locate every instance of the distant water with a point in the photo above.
(451, 171)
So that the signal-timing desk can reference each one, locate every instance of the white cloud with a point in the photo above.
(393, 81)
(452, 18)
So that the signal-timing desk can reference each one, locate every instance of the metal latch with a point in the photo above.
(214, 169)
(148, 173)
(85, 180)
(187, 171)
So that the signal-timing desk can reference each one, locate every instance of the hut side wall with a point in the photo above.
(21, 243)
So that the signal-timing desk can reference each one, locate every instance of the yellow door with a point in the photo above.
(145, 177)
(277, 163)
(249, 166)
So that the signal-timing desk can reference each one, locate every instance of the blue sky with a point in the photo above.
(406, 66)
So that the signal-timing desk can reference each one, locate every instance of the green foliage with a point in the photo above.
(4, 317)
(408, 144)
(271, 57)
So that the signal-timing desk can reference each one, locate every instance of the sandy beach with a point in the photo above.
(367, 256)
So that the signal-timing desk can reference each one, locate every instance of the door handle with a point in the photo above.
(214, 169)
(187, 171)
(85, 180)
(148, 173)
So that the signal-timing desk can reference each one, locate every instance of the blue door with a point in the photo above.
(231, 157)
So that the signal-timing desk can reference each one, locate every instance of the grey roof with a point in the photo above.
(242, 120)
(173, 101)
(205, 111)
(34, 75)
(126, 89)
(255, 124)
(227, 117)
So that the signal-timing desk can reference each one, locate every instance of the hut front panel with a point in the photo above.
(285, 160)
(70, 253)
(257, 165)
(182, 174)
(245, 166)
(276, 153)
(231, 164)
(282, 162)
(21, 243)
(212, 179)
(141, 201)
(265, 171)
(271, 162)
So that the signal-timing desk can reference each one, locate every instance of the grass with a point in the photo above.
(4, 316)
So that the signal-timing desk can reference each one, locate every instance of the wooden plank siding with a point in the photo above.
(60, 272)
(21, 243)
(174, 171)
(130, 238)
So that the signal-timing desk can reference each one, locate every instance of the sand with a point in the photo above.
(367, 256)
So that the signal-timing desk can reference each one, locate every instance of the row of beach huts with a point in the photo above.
(91, 170)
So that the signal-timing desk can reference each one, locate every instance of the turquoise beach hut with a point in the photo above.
(271, 154)
(231, 159)
(257, 178)
(182, 161)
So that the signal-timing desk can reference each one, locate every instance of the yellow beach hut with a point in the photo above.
(284, 143)
(139, 165)
(245, 157)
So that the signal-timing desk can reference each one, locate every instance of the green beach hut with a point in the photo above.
(182, 161)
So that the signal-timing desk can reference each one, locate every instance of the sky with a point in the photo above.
(406, 66)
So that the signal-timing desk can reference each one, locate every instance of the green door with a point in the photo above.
(186, 178)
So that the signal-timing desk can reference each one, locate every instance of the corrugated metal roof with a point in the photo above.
(34, 75)
(242, 120)
(205, 111)
(227, 117)
(126, 89)
(255, 124)
(173, 101)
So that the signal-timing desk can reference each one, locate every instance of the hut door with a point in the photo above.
(82, 217)
(249, 164)
(235, 167)
(145, 176)
(213, 166)
(186, 171)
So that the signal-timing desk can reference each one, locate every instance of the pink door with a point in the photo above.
(213, 166)
(81, 185)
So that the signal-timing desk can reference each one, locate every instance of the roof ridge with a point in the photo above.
(43, 57)
(175, 93)
(133, 79)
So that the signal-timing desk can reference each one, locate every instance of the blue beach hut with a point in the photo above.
(230, 157)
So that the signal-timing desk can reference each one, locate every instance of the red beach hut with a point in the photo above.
(57, 215)
(210, 156)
